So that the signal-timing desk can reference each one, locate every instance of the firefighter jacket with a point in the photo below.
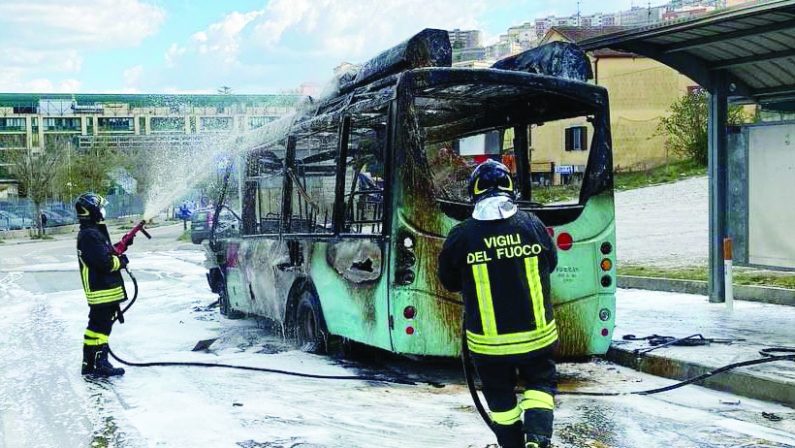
(99, 266)
(502, 269)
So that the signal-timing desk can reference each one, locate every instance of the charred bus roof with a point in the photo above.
(544, 73)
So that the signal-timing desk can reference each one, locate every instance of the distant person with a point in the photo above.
(100, 270)
(43, 218)
(500, 260)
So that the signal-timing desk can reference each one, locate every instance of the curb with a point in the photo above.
(738, 382)
(764, 294)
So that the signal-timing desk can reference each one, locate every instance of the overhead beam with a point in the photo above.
(692, 67)
(739, 62)
(775, 92)
(732, 35)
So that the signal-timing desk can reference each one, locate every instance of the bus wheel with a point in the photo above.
(309, 332)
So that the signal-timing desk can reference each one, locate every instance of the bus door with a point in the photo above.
(250, 274)
(358, 255)
(336, 228)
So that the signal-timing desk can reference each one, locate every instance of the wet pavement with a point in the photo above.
(44, 402)
(749, 328)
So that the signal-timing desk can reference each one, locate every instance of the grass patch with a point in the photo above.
(742, 275)
(664, 174)
(555, 193)
(185, 236)
(668, 173)
(41, 237)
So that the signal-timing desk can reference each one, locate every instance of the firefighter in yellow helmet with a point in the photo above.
(500, 260)
(100, 271)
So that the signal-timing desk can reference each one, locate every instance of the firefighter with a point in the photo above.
(100, 271)
(500, 260)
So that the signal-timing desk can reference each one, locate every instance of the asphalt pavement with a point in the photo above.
(45, 402)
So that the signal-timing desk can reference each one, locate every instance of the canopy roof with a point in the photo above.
(754, 44)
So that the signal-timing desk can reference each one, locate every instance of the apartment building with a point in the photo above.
(29, 120)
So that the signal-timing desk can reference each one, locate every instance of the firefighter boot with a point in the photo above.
(509, 436)
(103, 367)
(89, 357)
(538, 442)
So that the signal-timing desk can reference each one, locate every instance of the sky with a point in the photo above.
(252, 46)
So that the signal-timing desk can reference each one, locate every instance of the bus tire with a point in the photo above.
(308, 325)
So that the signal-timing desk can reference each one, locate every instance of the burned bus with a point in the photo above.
(344, 211)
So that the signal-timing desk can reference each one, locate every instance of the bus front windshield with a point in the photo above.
(459, 133)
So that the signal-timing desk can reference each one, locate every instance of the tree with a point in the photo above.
(89, 170)
(685, 129)
(34, 171)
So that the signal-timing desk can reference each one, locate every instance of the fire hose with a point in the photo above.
(120, 318)
(768, 355)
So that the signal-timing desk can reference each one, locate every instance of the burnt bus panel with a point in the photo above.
(558, 59)
(578, 293)
(428, 48)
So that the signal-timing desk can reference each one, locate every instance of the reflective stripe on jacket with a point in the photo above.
(99, 266)
(502, 269)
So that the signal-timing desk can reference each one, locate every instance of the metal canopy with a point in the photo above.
(753, 45)
(746, 52)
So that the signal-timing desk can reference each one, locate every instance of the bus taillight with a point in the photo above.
(409, 312)
(565, 241)
(405, 277)
(409, 330)
(606, 247)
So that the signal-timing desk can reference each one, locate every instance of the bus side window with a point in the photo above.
(364, 173)
(313, 178)
(263, 191)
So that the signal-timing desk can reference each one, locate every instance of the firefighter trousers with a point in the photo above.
(499, 380)
(100, 323)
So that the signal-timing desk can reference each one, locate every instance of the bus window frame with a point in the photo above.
(338, 217)
(598, 175)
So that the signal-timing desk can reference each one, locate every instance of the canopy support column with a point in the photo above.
(718, 182)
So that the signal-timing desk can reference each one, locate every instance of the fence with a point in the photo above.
(20, 213)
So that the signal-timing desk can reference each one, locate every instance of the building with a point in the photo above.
(33, 121)
(596, 20)
(460, 39)
(641, 92)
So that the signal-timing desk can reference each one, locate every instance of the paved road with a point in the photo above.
(44, 402)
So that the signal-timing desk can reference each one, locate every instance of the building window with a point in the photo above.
(62, 124)
(8, 141)
(115, 124)
(168, 124)
(12, 124)
(256, 122)
(216, 123)
(576, 138)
